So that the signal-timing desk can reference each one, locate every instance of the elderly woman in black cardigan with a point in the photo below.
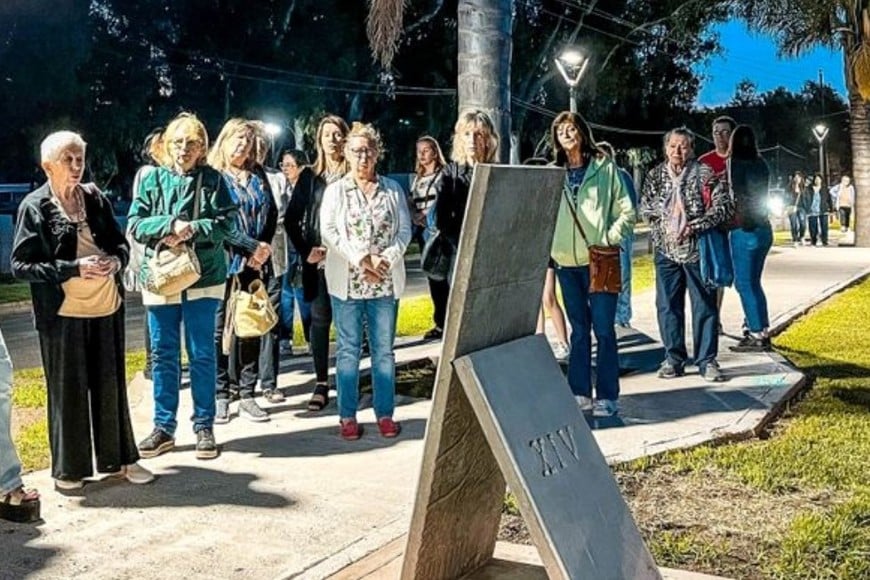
(71, 250)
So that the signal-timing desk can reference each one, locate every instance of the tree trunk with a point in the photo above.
(484, 60)
(859, 129)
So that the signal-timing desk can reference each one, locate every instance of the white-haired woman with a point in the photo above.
(366, 226)
(71, 249)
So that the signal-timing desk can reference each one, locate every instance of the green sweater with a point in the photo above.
(604, 210)
(165, 196)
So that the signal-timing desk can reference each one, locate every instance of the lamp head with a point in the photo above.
(273, 129)
(820, 131)
(572, 64)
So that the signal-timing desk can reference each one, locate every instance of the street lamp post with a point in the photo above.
(572, 64)
(820, 131)
(272, 130)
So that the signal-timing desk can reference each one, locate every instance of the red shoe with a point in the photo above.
(388, 427)
(351, 430)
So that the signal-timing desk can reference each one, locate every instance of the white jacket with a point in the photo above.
(341, 253)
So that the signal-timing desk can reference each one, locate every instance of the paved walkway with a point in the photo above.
(289, 499)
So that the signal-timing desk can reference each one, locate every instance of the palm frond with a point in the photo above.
(384, 29)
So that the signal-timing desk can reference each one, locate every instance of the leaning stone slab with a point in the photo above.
(566, 492)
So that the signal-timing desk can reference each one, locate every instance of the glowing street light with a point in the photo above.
(272, 130)
(572, 64)
(820, 131)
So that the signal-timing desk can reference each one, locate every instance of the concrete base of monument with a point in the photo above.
(510, 562)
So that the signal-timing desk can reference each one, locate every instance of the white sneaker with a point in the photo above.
(604, 408)
(136, 474)
(561, 351)
(585, 403)
(68, 485)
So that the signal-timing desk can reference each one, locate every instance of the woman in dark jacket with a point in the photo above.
(817, 205)
(233, 154)
(751, 236)
(71, 249)
(303, 226)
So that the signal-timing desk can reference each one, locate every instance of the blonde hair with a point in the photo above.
(219, 158)
(320, 163)
(193, 130)
(439, 156)
(368, 132)
(474, 119)
(58, 142)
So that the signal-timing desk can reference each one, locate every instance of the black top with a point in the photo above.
(46, 242)
(452, 199)
(302, 222)
(750, 180)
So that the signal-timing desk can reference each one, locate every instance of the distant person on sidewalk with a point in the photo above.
(164, 211)
(293, 161)
(818, 207)
(717, 160)
(428, 180)
(672, 203)
(844, 194)
(16, 502)
(303, 225)
(751, 237)
(797, 217)
(595, 197)
(623, 303)
(250, 259)
(71, 249)
(366, 227)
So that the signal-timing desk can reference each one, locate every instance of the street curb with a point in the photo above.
(15, 307)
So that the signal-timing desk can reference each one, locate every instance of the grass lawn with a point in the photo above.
(12, 290)
(794, 504)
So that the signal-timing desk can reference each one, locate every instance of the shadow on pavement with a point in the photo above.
(670, 405)
(183, 487)
(17, 559)
(323, 441)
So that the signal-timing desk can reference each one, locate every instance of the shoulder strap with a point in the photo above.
(574, 215)
(196, 194)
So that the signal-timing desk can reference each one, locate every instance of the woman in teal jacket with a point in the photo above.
(595, 196)
(163, 212)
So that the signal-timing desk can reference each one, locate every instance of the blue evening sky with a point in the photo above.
(748, 55)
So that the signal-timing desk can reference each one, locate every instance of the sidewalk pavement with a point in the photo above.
(290, 499)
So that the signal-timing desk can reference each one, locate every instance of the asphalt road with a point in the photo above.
(23, 345)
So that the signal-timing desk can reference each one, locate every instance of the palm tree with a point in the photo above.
(801, 25)
(484, 54)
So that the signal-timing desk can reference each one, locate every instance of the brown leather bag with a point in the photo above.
(605, 273)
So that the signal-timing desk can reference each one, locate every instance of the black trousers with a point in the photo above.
(818, 228)
(85, 373)
(245, 352)
(270, 355)
(321, 320)
(439, 290)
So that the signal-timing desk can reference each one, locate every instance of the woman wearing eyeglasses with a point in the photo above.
(163, 211)
(366, 226)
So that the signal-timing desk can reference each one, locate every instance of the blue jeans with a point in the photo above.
(380, 317)
(798, 224)
(623, 302)
(749, 249)
(199, 325)
(672, 281)
(291, 295)
(10, 465)
(589, 313)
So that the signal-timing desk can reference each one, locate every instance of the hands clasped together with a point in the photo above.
(91, 267)
(375, 267)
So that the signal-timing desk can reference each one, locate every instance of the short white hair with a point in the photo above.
(59, 141)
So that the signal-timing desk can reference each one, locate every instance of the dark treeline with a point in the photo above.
(114, 69)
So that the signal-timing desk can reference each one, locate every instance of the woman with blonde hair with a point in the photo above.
(303, 225)
(474, 141)
(428, 179)
(184, 201)
(366, 227)
(236, 154)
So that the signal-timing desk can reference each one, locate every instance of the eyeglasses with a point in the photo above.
(362, 152)
(186, 144)
(721, 132)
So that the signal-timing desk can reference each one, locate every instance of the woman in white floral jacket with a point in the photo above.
(366, 227)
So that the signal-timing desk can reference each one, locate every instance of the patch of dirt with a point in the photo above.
(740, 524)
(25, 417)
